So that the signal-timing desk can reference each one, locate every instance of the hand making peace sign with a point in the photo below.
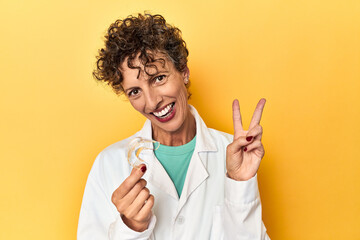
(244, 154)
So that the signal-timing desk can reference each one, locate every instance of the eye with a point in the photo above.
(159, 78)
(133, 92)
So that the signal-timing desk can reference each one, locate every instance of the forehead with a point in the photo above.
(139, 71)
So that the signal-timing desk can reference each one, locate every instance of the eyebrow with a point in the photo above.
(165, 71)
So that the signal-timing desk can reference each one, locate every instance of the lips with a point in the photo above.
(166, 113)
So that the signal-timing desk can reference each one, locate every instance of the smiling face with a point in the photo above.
(160, 96)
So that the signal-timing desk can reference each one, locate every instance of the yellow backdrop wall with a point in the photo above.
(302, 56)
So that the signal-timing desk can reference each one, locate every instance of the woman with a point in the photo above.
(200, 183)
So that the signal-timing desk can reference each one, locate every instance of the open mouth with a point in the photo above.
(165, 112)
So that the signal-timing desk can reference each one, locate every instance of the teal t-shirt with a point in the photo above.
(175, 160)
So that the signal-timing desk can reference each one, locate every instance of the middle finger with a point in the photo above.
(257, 113)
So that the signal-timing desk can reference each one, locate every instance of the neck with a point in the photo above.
(180, 137)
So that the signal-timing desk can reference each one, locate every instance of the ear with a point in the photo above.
(186, 74)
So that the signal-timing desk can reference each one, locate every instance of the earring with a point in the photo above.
(186, 81)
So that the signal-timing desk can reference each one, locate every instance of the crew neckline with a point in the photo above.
(176, 150)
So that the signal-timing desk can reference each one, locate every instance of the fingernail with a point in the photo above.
(245, 149)
(143, 168)
(249, 138)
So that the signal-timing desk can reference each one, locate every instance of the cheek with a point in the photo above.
(173, 90)
(137, 105)
(183, 94)
(178, 92)
(182, 99)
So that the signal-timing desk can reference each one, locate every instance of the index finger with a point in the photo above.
(257, 113)
(131, 180)
(236, 118)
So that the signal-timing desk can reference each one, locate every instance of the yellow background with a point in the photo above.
(302, 56)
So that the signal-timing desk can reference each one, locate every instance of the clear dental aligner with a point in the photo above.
(136, 146)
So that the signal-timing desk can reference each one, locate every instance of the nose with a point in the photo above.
(153, 100)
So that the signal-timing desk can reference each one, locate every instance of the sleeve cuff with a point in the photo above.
(241, 192)
(119, 230)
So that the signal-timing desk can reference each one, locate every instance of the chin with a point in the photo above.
(170, 127)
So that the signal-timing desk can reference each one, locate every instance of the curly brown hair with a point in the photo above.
(141, 36)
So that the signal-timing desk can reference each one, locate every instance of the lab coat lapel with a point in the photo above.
(159, 178)
(156, 174)
(197, 172)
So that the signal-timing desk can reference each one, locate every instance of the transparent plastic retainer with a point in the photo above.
(136, 146)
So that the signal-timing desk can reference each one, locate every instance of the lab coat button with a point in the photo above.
(180, 220)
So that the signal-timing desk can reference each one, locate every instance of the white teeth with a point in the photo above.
(164, 111)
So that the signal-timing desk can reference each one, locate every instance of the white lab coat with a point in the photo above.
(211, 206)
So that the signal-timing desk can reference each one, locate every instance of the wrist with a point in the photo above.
(135, 225)
(238, 178)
